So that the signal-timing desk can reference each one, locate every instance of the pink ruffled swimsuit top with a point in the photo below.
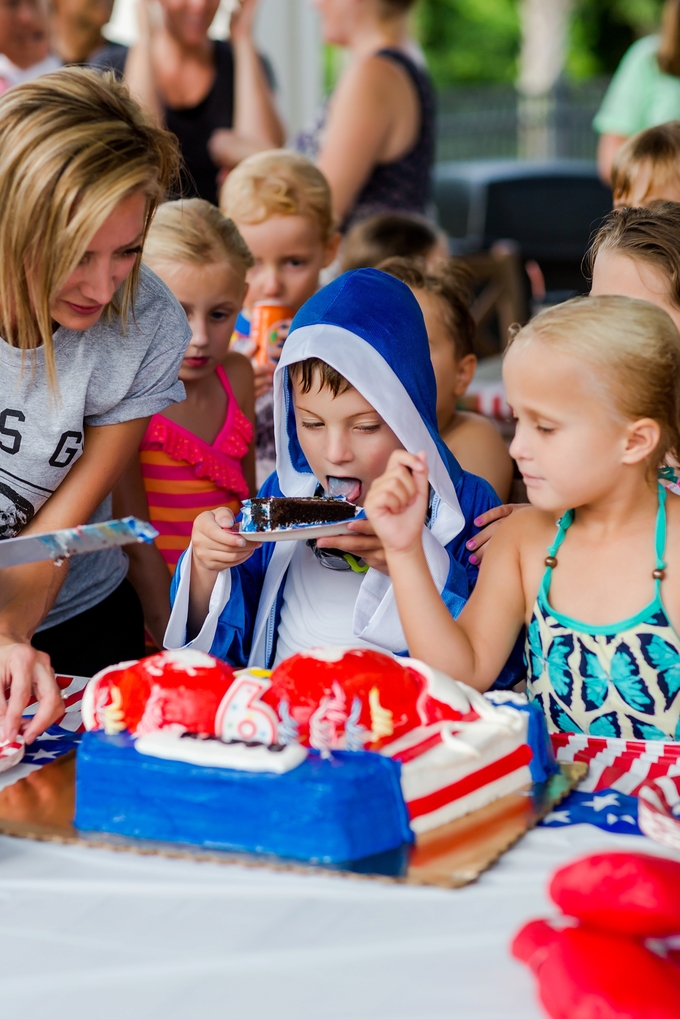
(184, 476)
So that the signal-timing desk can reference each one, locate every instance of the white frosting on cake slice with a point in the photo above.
(214, 753)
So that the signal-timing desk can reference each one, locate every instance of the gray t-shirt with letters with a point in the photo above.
(106, 375)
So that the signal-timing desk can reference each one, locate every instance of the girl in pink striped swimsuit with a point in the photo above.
(198, 454)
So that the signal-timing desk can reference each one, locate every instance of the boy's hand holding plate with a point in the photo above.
(216, 543)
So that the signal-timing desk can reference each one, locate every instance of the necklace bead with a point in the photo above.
(658, 574)
(551, 561)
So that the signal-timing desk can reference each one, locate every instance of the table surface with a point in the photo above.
(95, 933)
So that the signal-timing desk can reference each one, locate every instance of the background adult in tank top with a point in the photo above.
(90, 348)
(196, 85)
(374, 139)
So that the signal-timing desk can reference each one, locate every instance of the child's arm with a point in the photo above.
(474, 648)
(148, 572)
(241, 378)
(215, 547)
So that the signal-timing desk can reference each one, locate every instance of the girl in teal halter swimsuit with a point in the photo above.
(606, 680)
(595, 386)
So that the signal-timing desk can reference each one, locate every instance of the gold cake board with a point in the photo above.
(41, 807)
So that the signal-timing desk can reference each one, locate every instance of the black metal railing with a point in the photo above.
(495, 122)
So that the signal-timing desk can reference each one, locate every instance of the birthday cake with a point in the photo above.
(275, 513)
(337, 755)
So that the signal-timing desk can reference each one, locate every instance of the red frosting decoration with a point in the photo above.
(159, 692)
(322, 689)
(352, 699)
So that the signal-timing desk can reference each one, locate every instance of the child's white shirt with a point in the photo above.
(318, 606)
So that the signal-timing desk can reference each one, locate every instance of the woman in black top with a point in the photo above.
(375, 138)
(197, 85)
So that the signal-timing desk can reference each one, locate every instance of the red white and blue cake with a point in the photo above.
(337, 755)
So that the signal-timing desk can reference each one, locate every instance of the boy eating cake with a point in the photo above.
(354, 383)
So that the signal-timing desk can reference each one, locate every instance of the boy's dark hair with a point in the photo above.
(305, 372)
(387, 235)
(451, 283)
(650, 235)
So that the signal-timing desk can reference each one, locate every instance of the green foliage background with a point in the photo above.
(470, 41)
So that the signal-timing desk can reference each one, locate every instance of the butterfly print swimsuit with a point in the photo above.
(617, 680)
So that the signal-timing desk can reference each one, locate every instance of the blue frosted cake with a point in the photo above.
(330, 810)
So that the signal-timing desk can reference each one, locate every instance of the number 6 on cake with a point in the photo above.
(242, 715)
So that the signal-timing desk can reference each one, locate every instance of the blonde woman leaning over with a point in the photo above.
(591, 568)
(91, 346)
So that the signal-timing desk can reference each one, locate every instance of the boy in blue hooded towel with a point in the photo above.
(354, 383)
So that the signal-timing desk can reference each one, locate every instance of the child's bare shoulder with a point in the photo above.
(238, 365)
(467, 422)
(479, 448)
(239, 371)
(529, 527)
(473, 431)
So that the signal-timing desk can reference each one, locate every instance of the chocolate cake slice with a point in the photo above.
(274, 513)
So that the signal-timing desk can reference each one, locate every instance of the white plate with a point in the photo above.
(302, 533)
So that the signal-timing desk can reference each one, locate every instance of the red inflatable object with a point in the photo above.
(167, 690)
(626, 893)
(585, 973)
(336, 693)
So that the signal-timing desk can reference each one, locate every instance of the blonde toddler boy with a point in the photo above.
(281, 204)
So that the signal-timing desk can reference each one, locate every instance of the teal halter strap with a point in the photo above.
(563, 525)
(660, 533)
(565, 522)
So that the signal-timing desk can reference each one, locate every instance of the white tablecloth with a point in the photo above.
(98, 934)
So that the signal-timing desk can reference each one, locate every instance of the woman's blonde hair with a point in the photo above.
(278, 182)
(668, 56)
(73, 144)
(634, 349)
(194, 232)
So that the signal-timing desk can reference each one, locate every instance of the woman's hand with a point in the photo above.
(396, 503)
(242, 21)
(139, 72)
(23, 672)
(215, 545)
(490, 522)
(367, 545)
(256, 119)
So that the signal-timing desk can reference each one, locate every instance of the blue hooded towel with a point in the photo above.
(369, 327)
